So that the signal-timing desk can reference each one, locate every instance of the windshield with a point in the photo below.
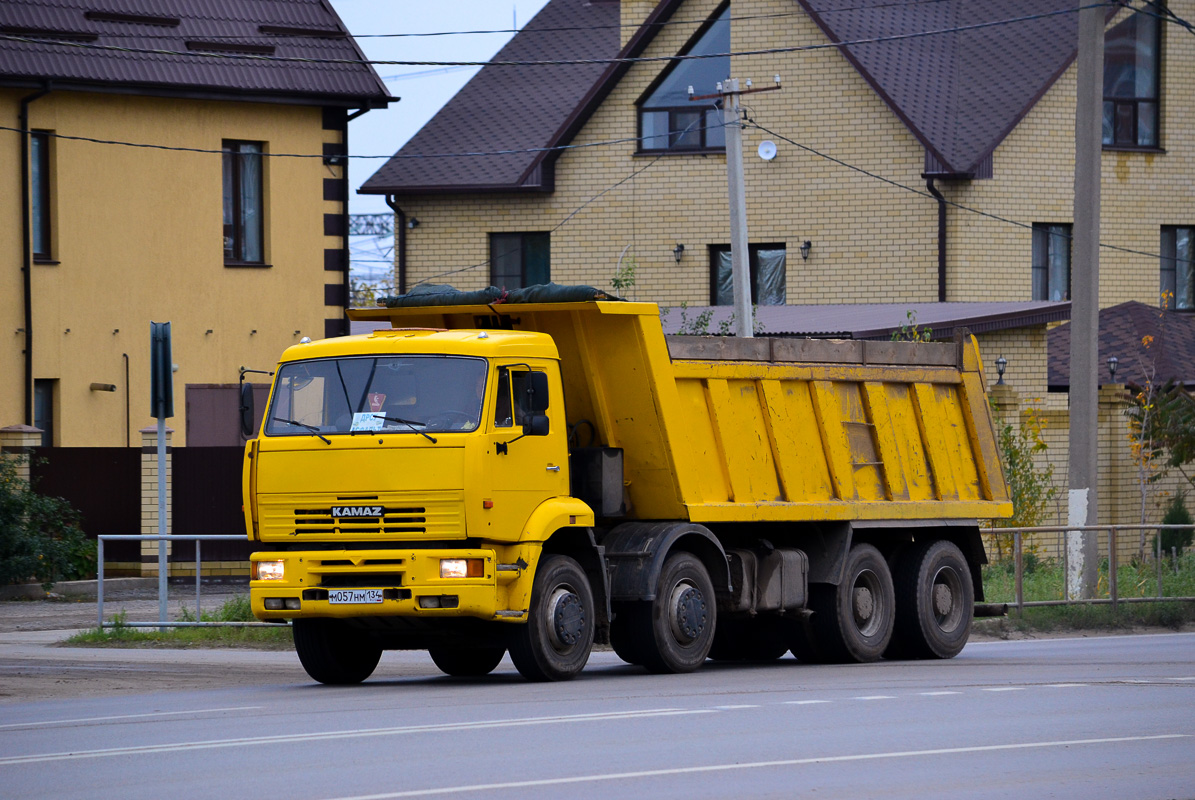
(392, 394)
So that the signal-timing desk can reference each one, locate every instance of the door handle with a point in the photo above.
(553, 468)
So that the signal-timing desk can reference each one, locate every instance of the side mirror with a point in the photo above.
(537, 392)
(535, 425)
(247, 410)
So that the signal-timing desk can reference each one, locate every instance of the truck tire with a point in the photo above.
(852, 622)
(555, 642)
(622, 637)
(466, 662)
(753, 639)
(935, 602)
(676, 630)
(331, 653)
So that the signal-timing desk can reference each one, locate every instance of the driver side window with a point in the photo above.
(510, 408)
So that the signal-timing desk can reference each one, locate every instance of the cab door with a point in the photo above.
(524, 470)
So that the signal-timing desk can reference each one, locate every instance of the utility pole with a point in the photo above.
(728, 92)
(1082, 546)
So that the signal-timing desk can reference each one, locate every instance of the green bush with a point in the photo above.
(40, 537)
(1176, 514)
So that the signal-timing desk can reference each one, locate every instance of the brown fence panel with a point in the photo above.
(102, 483)
(206, 490)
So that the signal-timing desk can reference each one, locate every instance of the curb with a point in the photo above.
(86, 589)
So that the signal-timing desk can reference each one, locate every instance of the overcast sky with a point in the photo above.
(424, 90)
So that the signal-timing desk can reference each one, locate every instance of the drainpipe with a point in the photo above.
(27, 247)
(929, 184)
(400, 226)
(348, 290)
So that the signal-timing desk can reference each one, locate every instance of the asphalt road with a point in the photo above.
(1085, 718)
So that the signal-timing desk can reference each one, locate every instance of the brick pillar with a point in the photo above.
(149, 497)
(1006, 401)
(1118, 475)
(17, 442)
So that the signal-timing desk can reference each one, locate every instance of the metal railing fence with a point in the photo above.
(164, 623)
(1113, 557)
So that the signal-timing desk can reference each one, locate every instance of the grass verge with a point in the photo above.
(234, 610)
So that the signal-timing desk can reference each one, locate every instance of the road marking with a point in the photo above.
(875, 697)
(1192, 678)
(1003, 689)
(938, 694)
(804, 702)
(733, 708)
(1064, 685)
(792, 762)
(349, 734)
(127, 716)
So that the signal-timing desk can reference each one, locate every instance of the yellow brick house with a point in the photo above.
(919, 153)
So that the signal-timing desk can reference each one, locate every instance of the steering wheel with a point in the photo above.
(450, 420)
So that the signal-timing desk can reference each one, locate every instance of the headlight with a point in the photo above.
(269, 570)
(462, 568)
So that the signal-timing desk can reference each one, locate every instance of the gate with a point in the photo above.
(102, 483)
(206, 493)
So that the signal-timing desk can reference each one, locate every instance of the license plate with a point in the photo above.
(355, 596)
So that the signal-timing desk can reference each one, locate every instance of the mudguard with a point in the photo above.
(635, 554)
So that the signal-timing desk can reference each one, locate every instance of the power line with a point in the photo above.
(557, 62)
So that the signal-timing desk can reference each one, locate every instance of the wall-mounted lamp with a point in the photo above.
(115, 331)
(1113, 363)
(253, 332)
(678, 251)
(297, 333)
(412, 223)
(806, 246)
(208, 332)
(103, 387)
(1001, 365)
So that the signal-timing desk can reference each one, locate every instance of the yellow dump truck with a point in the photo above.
(534, 478)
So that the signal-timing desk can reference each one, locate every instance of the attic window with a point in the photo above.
(136, 19)
(232, 47)
(317, 33)
(1132, 65)
(668, 120)
(46, 33)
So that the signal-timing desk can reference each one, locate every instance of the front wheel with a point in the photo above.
(676, 630)
(331, 652)
(466, 662)
(555, 642)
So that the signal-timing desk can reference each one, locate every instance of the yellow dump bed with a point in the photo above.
(722, 430)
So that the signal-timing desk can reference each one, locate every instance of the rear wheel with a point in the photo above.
(676, 630)
(935, 602)
(466, 662)
(555, 642)
(853, 620)
(332, 653)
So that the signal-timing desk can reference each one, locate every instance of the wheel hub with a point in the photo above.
(568, 618)
(689, 612)
(943, 599)
(864, 604)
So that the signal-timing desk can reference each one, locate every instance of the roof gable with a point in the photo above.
(960, 93)
(76, 45)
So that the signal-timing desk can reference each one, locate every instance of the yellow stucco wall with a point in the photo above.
(138, 237)
(871, 241)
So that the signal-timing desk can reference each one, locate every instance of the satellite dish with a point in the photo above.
(767, 150)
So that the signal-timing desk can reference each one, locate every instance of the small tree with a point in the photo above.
(1176, 514)
(1032, 486)
(624, 274)
(910, 331)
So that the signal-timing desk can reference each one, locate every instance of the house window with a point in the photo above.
(768, 265)
(1132, 59)
(43, 409)
(519, 259)
(39, 157)
(1051, 261)
(1178, 267)
(668, 120)
(243, 203)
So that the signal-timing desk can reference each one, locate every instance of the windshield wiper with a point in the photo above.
(408, 422)
(314, 430)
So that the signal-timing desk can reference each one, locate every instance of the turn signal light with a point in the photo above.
(462, 568)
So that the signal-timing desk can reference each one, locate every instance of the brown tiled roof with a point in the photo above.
(1170, 354)
(74, 41)
(520, 108)
(878, 320)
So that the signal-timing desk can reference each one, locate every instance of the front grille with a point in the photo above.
(397, 521)
(422, 515)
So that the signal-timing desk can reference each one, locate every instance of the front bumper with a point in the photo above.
(408, 579)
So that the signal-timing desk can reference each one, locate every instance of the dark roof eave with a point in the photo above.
(200, 92)
(988, 323)
(441, 189)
